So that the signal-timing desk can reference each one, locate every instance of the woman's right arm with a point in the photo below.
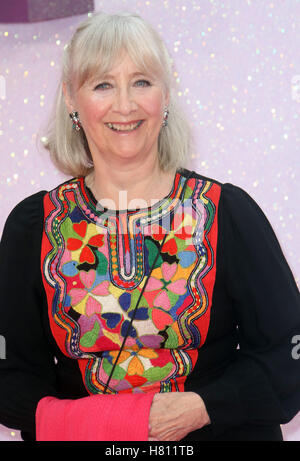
(27, 373)
(29, 399)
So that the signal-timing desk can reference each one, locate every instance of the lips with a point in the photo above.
(124, 127)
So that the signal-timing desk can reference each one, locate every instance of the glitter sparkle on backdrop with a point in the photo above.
(237, 71)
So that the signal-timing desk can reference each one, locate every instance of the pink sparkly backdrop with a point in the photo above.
(238, 74)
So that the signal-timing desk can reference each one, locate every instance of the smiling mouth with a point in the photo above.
(123, 127)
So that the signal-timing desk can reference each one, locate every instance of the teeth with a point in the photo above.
(128, 127)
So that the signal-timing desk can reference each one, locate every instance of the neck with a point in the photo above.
(133, 187)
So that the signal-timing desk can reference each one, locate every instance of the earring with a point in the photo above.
(75, 119)
(165, 119)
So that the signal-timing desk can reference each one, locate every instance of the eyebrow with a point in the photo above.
(134, 74)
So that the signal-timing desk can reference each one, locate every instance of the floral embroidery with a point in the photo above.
(165, 285)
(139, 359)
(85, 300)
(94, 275)
(83, 242)
(177, 240)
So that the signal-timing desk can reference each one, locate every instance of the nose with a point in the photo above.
(124, 102)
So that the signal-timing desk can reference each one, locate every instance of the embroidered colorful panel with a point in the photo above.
(95, 263)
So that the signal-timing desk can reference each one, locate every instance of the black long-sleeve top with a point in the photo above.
(218, 315)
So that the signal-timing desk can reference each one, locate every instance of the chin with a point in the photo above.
(129, 153)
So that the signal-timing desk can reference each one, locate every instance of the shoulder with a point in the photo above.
(29, 212)
(226, 188)
(234, 202)
(187, 173)
(229, 192)
(23, 224)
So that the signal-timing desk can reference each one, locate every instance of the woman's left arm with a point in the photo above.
(262, 384)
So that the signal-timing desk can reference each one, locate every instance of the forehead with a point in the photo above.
(124, 65)
(119, 64)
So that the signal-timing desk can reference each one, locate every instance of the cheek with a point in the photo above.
(92, 111)
(153, 106)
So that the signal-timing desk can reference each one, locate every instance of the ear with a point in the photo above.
(68, 99)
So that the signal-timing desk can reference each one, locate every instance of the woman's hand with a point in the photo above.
(174, 414)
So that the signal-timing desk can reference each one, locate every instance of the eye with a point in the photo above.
(142, 83)
(103, 86)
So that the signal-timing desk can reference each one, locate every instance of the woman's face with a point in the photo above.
(122, 113)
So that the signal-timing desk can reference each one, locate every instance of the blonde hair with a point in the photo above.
(93, 49)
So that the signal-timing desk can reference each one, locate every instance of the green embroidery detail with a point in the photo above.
(90, 337)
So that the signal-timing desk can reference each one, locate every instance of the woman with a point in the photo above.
(140, 300)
